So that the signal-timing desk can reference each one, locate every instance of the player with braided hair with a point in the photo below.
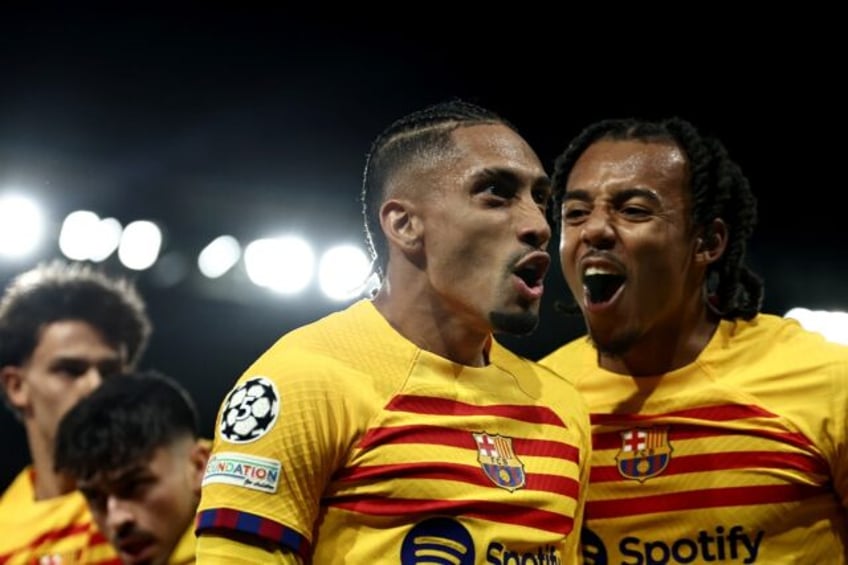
(399, 430)
(719, 432)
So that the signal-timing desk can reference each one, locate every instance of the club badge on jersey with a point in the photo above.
(644, 453)
(499, 462)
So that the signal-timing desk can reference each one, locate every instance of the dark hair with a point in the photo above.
(418, 134)
(718, 190)
(123, 422)
(70, 291)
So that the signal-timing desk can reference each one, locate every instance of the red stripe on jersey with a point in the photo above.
(678, 432)
(433, 435)
(484, 510)
(699, 499)
(444, 407)
(718, 413)
(110, 561)
(681, 464)
(452, 472)
(52, 535)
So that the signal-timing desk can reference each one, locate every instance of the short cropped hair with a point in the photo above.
(122, 423)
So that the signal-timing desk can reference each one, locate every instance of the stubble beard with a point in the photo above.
(519, 323)
(617, 345)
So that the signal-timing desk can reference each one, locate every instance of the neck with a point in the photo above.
(423, 320)
(666, 348)
(48, 483)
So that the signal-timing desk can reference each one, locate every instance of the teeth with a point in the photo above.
(598, 271)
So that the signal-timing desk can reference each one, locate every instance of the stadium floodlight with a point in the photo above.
(84, 236)
(21, 226)
(343, 272)
(76, 234)
(833, 325)
(107, 237)
(219, 256)
(140, 245)
(283, 264)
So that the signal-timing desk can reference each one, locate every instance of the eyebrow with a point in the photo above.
(619, 196)
(510, 176)
(124, 476)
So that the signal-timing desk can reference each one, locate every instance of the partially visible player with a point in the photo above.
(64, 328)
(134, 449)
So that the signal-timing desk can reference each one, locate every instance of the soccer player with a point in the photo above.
(64, 328)
(399, 430)
(133, 448)
(719, 432)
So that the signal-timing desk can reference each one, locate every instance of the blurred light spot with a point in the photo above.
(343, 272)
(76, 234)
(140, 245)
(283, 264)
(219, 256)
(85, 236)
(833, 325)
(21, 226)
(107, 237)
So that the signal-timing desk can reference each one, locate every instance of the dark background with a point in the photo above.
(212, 119)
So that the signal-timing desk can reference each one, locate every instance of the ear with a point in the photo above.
(14, 386)
(197, 459)
(710, 247)
(401, 225)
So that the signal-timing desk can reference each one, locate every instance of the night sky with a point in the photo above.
(256, 120)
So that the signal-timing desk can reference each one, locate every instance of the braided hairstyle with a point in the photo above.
(718, 190)
(421, 134)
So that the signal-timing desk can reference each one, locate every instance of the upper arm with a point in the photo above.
(214, 550)
(281, 433)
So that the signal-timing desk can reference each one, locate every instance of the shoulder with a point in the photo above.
(19, 491)
(784, 339)
(571, 359)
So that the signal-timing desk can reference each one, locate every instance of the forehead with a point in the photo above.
(658, 165)
(72, 337)
(495, 146)
(155, 462)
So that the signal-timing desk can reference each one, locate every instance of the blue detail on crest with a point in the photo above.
(650, 465)
(506, 476)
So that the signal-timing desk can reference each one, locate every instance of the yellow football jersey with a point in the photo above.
(56, 531)
(739, 457)
(347, 443)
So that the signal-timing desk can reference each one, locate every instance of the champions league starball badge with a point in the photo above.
(250, 411)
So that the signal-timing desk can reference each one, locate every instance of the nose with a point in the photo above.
(119, 515)
(535, 230)
(597, 230)
(91, 379)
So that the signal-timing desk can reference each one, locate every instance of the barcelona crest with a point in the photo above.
(499, 462)
(644, 453)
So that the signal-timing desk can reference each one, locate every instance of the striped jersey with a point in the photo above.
(738, 457)
(55, 531)
(347, 443)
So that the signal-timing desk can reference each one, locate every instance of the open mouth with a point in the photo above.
(533, 269)
(601, 285)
